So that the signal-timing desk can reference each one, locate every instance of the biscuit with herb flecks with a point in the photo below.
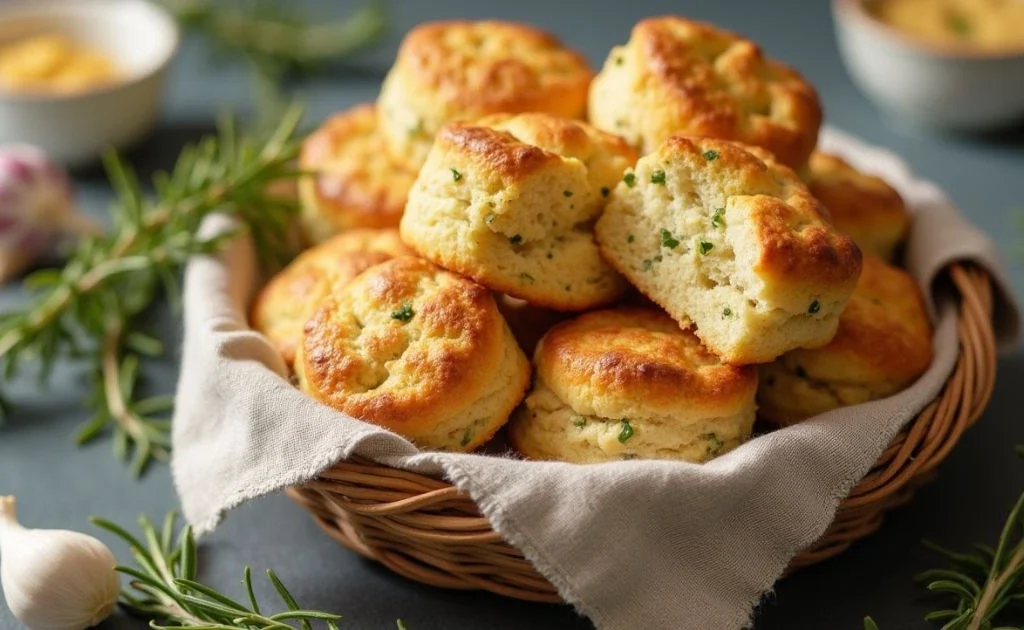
(883, 344)
(629, 383)
(462, 70)
(678, 76)
(418, 350)
(290, 297)
(727, 240)
(510, 201)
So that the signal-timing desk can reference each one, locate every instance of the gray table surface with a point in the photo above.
(60, 485)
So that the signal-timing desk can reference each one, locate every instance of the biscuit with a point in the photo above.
(884, 342)
(462, 70)
(629, 383)
(510, 202)
(285, 303)
(418, 350)
(861, 205)
(355, 182)
(676, 76)
(733, 244)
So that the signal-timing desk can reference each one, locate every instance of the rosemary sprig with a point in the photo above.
(164, 588)
(983, 585)
(276, 36)
(91, 308)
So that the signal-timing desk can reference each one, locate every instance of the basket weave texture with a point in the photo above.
(426, 530)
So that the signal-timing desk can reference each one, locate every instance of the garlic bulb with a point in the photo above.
(55, 579)
(36, 210)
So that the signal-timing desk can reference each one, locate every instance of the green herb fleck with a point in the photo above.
(630, 179)
(526, 278)
(490, 218)
(705, 247)
(620, 123)
(658, 177)
(628, 456)
(618, 60)
(715, 445)
(649, 263)
(814, 307)
(466, 437)
(456, 175)
(667, 240)
(630, 238)
(516, 239)
(726, 312)
(403, 314)
(711, 155)
(718, 218)
(567, 193)
(958, 24)
(605, 191)
(626, 431)
(579, 421)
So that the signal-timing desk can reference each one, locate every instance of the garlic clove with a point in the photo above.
(55, 579)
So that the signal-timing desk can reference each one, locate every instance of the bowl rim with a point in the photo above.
(44, 9)
(855, 10)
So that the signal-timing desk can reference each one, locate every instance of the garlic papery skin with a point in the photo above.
(55, 579)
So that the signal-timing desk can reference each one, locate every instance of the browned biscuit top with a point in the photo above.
(355, 180)
(493, 66)
(726, 88)
(642, 358)
(290, 297)
(404, 344)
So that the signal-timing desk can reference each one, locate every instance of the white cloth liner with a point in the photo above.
(632, 544)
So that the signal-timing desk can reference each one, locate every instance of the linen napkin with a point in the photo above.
(656, 544)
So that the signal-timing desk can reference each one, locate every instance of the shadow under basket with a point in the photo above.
(425, 529)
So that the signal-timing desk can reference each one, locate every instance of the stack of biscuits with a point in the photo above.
(663, 238)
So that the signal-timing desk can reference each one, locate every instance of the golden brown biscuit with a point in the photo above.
(462, 70)
(677, 76)
(510, 201)
(628, 382)
(884, 342)
(861, 205)
(356, 182)
(419, 350)
(732, 243)
(289, 299)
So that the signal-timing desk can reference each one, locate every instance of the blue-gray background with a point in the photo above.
(59, 485)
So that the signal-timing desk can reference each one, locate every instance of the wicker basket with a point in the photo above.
(425, 529)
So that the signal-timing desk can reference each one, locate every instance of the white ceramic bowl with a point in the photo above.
(926, 84)
(76, 128)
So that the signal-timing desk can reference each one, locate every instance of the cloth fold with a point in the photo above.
(655, 544)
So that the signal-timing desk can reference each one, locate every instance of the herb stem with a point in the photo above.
(995, 586)
(119, 410)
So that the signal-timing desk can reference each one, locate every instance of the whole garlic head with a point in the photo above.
(55, 579)
(36, 208)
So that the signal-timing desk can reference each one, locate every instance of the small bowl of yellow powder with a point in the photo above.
(949, 64)
(79, 77)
